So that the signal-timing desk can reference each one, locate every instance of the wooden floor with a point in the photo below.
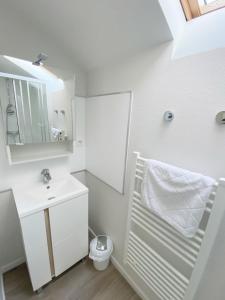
(82, 282)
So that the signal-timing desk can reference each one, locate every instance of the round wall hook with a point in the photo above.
(220, 117)
(168, 115)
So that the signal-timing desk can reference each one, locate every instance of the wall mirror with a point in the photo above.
(35, 102)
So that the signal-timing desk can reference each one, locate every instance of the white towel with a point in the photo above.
(176, 195)
(56, 132)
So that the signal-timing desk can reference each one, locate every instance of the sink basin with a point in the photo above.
(54, 190)
(38, 196)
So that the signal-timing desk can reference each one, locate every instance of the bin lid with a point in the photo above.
(101, 242)
(101, 248)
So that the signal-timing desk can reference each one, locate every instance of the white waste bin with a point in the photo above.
(101, 249)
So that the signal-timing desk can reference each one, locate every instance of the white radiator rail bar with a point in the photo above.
(163, 226)
(166, 235)
(166, 266)
(190, 244)
(165, 242)
(158, 270)
(158, 273)
(216, 217)
(148, 282)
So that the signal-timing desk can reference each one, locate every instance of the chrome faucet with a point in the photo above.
(46, 177)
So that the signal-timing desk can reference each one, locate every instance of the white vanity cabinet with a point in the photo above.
(36, 249)
(54, 229)
(69, 228)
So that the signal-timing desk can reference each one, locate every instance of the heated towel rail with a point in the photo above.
(167, 262)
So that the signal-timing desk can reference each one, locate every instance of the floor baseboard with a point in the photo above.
(12, 265)
(6, 268)
(132, 283)
(2, 291)
(92, 233)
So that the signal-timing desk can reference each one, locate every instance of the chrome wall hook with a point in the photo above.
(168, 116)
(220, 117)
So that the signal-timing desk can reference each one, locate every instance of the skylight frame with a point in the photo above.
(192, 9)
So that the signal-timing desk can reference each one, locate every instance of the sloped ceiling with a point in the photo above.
(86, 33)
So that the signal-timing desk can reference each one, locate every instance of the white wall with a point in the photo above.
(107, 130)
(11, 247)
(174, 15)
(197, 35)
(201, 34)
(193, 88)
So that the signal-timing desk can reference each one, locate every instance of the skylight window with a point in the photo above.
(52, 81)
(196, 8)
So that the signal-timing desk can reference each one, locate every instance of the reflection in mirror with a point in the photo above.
(35, 102)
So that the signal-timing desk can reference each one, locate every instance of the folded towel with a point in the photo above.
(176, 195)
(56, 132)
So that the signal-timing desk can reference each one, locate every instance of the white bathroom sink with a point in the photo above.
(37, 196)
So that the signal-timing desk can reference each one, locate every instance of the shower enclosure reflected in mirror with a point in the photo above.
(35, 102)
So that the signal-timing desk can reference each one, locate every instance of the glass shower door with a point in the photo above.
(25, 110)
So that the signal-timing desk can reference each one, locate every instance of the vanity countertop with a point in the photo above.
(35, 197)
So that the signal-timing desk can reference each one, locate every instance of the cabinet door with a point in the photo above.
(69, 231)
(36, 249)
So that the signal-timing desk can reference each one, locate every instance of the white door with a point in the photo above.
(69, 231)
(36, 249)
